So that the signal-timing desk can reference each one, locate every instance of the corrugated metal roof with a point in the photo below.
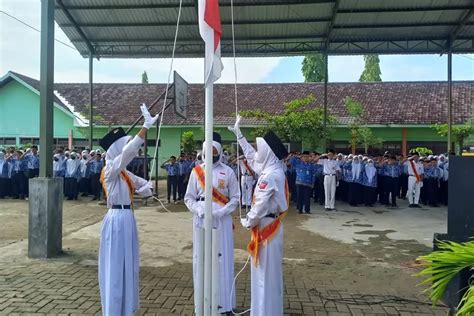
(145, 28)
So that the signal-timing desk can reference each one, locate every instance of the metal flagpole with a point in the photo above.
(209, 109)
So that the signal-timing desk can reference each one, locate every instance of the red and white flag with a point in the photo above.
(211, 30)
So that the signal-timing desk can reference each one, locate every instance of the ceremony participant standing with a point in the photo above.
(119, 261)
(172, 168)
(71, 179)
(330, 170)
(18, 175)
(225, 199)
(265, 221)
(369, 183)
(443, 185)
(305, 175)
(32, 161)
(415, 179)
(392, 172)
(96, 165)
(3, 175)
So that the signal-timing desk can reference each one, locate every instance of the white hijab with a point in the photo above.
(370, 171)
(356, 168)
(116, 148)
(217, 146)
(265, 158)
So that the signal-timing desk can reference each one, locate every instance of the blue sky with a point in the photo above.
(20, 46)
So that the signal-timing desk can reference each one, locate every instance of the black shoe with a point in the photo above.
(300, 212)
(416, 206)
(94, 199)
(308, 212)
(394, 205)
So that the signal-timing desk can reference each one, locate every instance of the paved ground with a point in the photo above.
(355, 261)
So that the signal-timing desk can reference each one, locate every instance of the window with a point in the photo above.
(29, 140)
(8, 141)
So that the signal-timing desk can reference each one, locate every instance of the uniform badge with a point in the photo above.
(221, 184)
(263, 185)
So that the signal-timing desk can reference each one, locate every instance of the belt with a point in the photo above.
(122, 207)
(200, 199)
(330, 174)
(271, 215)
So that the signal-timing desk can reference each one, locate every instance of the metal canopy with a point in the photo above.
(131, 28)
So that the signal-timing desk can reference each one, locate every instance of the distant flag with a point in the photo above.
(211, 31)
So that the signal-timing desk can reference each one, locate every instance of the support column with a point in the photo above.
(450, 101)
(91, 103)
(325, 101)
(45, 192)
(404, 142)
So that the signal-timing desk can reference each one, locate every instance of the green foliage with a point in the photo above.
(371, 71)
(313, 68)
(144, 77)
(359, 131)
(441, 266)
(188, 145)
(459, 133)
(299, 122)
(423, 151)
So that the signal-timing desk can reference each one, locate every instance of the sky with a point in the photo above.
(20, 52)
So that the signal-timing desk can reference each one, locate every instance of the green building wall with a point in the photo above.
(20, 114)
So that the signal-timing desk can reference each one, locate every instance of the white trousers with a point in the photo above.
(267, 278)
(330, 191)
(413, 193)
(119, 264)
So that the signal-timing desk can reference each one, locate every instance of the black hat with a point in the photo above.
(217, 137)
(111, 137)
(276, 145)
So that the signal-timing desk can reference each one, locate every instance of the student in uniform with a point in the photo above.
(172, 169)
(305, 175)
(18, 176)
(391, 175)
(355, 187)
(432, 174)
(225, 199)
(3, 175)
(84, 182)
(119, 259)
(31, 158)
(369, 183)
(96, 165)
(443, 185)
(415, 179)
(330, 171)
(181, 176)
(271, 201)
(72, 176)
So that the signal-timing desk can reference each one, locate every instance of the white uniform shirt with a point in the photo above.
(117, 188)
(418, 166)
(225, 181)
(329, 166)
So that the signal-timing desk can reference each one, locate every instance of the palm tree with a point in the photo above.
(441, 266)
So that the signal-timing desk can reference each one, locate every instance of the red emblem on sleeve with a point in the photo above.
(263, 185)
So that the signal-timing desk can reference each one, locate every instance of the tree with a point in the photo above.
(371, 71)
(144, 77)
(359, 131)
(188, 144)
(300, 121)
(313, 68)
(459, 133)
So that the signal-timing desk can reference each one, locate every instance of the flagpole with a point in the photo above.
(209, 122)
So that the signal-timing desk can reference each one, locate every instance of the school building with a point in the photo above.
(400, 113)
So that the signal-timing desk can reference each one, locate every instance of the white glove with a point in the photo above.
(236, 128)
(200, 209)
(146, 190)
(244, 222)
(149, 120)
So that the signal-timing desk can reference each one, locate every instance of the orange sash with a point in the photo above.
(217, 196)
(125, 177)
(417, 176)
(266, 234)
(252, 173)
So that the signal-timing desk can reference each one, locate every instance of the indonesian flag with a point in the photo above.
(211, 30)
